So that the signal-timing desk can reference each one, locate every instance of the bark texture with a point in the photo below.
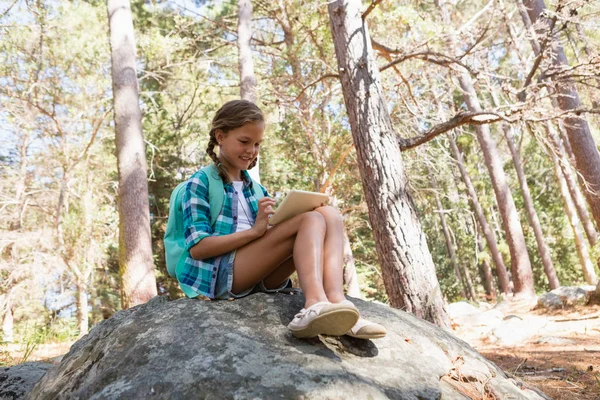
(407, 266)
(522, 274)
(587, 158)
(135, 249)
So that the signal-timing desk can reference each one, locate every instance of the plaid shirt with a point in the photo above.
(200, 276)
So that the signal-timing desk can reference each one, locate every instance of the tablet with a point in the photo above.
(297, 202)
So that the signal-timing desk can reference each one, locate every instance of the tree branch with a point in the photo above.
(462, 118)
(371, 8)
(540, 56)
(322, 78)
(433, 57)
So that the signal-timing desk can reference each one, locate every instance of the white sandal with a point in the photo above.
(365, 329)
(324, 318)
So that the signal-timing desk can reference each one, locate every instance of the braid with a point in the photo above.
(253, 163)
(210, 150)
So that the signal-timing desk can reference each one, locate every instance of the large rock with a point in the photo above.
(17, 381)
(192, 349)
(566, 296)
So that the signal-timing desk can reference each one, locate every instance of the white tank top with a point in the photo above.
(244, 214)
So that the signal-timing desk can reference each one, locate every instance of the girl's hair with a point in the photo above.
(231, 115)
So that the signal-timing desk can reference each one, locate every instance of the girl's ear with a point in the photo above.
(219, 135)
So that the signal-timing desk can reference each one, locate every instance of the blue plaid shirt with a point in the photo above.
(198, 277)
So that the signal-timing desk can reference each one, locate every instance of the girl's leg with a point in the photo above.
(301, 237)
(333, 254)
(280, 275)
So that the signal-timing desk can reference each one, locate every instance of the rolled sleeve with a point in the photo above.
(196, 210)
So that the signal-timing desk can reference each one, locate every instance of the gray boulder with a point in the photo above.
(565, 296)
(17, 381)
(193, 349)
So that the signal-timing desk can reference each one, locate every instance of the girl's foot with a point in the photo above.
(324, 318)
(365, 329)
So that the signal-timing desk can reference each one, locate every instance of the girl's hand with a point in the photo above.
(265, 209)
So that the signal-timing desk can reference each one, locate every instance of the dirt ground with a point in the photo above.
(561, 357)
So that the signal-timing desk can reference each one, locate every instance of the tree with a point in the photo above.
(488, 232)
(406, 262)
(135, 250)
(534, 220)
(522, 274)
(587, 158)
(466, 286)
(246, 66)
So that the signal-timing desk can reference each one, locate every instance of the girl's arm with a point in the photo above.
(212, 246)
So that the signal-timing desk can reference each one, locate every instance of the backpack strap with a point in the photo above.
(216, 192)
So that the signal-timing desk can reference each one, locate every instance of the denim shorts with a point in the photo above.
(225, 282)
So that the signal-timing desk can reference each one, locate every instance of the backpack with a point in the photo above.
(174, 240)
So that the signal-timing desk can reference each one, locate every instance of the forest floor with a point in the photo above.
(557, 351)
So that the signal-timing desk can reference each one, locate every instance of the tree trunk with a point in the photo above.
(408, 270)
(21, 184)
(566, 157)
(135, 249)
(520, 265)
(532, 216)
(448, 239)
(82, 309)
(488, 278)
(469, 282)
(586, 49)
(350, 276)
(246, 66)
(488, 232)
(8, 325)
(580, 244)
(587, 158)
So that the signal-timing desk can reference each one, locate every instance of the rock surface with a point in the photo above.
(192, 349)
(566, 296)
(17, 381)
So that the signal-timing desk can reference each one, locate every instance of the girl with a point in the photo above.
(242, 253)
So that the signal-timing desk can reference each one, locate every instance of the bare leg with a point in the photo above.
(281, 274)
(301, 237)
(333, 254)
(333, 273)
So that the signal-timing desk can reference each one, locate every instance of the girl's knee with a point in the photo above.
(330, 213)
(315, 219)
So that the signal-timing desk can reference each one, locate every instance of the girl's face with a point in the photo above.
(239, 147)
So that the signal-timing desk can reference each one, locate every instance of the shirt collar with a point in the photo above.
(246, 178)
(248, 182)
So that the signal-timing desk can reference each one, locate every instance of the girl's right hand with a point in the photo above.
(265, 209)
